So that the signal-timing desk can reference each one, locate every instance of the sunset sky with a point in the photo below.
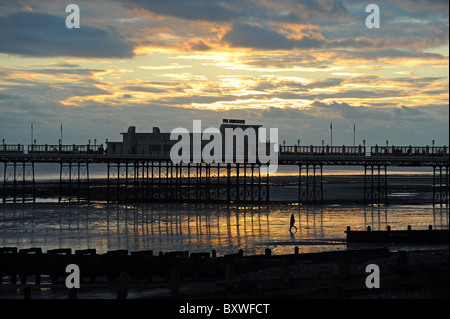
(295, 65)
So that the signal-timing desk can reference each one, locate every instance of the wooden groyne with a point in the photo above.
(139, 265)
(428, 236)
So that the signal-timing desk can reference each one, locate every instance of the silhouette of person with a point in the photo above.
(292, 224)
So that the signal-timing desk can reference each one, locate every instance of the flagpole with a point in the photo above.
(331, 130)
(31, 133)
(61, 135)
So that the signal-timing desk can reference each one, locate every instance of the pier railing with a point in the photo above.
(11, 148)
(65, 149)
(323, 150)
(284, 151)
(409, 150)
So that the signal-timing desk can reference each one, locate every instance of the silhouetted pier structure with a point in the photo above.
(153, 178)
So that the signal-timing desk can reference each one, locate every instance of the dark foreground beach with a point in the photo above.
(330, 275)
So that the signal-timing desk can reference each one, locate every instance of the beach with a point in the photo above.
(227, 228)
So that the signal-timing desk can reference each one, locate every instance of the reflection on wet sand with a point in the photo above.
(197, 228)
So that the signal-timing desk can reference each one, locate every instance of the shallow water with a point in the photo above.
(51, 171)
(200, 228)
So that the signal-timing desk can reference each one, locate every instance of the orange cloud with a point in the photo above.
(296, 31)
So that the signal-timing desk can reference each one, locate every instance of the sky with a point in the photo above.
(295, 65)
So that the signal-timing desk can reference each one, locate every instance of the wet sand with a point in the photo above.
(349, 189)
(337, 189)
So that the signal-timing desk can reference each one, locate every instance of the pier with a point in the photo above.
(132, 178)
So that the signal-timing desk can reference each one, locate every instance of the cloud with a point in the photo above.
(63, 64)
(6, 96)
(44, 35)
(241, 10)
(145, 89)
(401, 126)
(396, 53)
(248, 36)
(256, 37)
(207, 10)
(382, 114)
(197, 45)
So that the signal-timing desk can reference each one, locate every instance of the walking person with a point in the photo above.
(292, 224)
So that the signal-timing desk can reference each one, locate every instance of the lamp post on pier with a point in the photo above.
(354, 134)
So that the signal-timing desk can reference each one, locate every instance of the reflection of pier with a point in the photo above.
(376, 217)
(198, 227)
(156, 226)
(155, 178)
